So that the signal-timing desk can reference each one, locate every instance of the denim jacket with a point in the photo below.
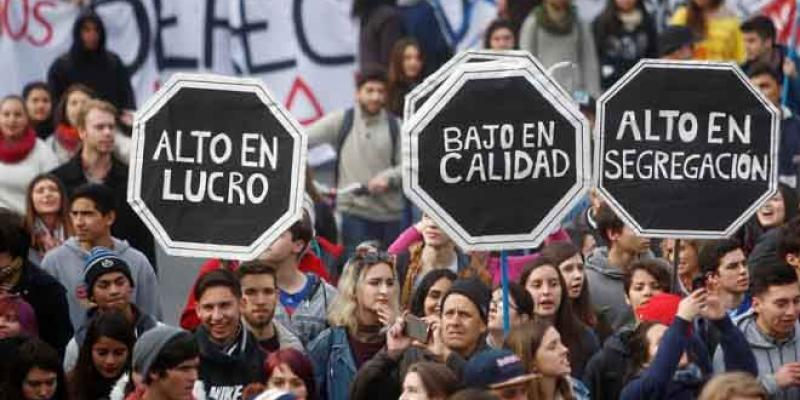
(334, 366)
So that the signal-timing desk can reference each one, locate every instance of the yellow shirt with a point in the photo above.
(723, 41)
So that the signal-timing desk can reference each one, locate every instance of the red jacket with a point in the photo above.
(310, 263)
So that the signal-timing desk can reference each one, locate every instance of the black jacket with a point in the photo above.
(101, 70)
(223, 375)
(48, 298)
(127, 226)
(618, 49)
(604, 375)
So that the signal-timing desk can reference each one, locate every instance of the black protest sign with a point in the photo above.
(497, 156)
(218, 167)
(685, 149)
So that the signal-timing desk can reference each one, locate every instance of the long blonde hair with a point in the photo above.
(344, 308)
(728, 385)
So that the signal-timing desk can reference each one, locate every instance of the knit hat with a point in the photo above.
(476, 291)
(491, 369)
(661, 308)
(102, 261)
(149, 346)
(673, 38)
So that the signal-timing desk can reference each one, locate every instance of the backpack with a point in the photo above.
(344, 131)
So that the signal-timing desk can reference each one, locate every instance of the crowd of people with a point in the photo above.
(364, 298)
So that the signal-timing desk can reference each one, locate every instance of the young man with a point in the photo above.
(259, 299)
(771, 328)
(43, 292)
(723, 265)
(642, 280)
(761, 47)
(109, 286)
(92, 212)
(304, 298)
(96, 163)
(167, 359)
(230, 357)
(368, 153)
(788, 248)
(500, 372)
(605, 266)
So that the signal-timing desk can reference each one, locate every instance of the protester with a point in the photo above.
(624, 34)
(761, 46)
(17, 318)
(34, 373)
(259, 299)
(290, 371)
(666, 363)
(22, 154)
(96, 163)
(167, 359)
(676, 43)
(89, 62)
(605, 373)
(716, 25)
(550, 296)
(500, 35)
(688, 263)
(428, 380)
(367, 302)
(230, 357)
(553, 33)
(368, 153)
(771, 330)
(405, 71)
(585, 224)
(93, 213)
(520, 307)
(759, 236)
(723, 264)
(538, 344)
(109, 286)
(733, 386)
(46, 215)
(427, 298)
(501, 372)
(380, 27)
(21, 277)
(788, 249)
(66, 140)
(105, 356)
(39, 104)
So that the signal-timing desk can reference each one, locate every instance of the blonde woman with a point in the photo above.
(733, 386)
(367, 303)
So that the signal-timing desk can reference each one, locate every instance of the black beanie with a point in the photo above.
(102, 261)
(476, 291)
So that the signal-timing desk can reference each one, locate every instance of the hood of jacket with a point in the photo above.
(758, 340)
(236, 353)
(598, 262)
(78, 48)
(120, 246)
(143, 323)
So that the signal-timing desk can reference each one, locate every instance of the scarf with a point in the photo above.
(10, 275)
(14, 151)
(68, 137)
(631, 20)
(563, 27)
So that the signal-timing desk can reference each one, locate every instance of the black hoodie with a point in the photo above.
(604, 375)
(225, 372)
(99, 69)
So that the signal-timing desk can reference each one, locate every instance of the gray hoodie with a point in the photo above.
(65, 263)
(310, 316)
(770, 355)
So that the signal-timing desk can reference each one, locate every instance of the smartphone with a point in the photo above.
(416, 328)
(699, 282)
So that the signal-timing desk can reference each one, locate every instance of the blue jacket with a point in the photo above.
(334, 366)
(660, 381)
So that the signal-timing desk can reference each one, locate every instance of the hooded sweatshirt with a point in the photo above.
(604, 375)
(99, 69)
(770, 354)
(606, 288)
(226, 371)
(66, 263)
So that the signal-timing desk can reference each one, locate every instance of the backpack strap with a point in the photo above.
(394, 133)
(344, 131)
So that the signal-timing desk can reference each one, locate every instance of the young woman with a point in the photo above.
(34, 373)
(46, 215)
(715, 26)
(22, 155)
(520, 306)
(427, 296)
(17, 318)
(624, 34)
(291, 371)
(428, 381)
(544, 282)
(65, 141)
(39, 104)
(405, 72)
(663, 364)
(104, 357)
(538, 344)
(688, 262)
(500, 35)
(367, 302)
(733, 386)
(779, 209)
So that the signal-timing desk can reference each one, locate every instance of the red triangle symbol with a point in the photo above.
(300, 87)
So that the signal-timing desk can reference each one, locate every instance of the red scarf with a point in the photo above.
(14, 151)
(68, 137)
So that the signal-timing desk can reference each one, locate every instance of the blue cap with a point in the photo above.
(493, 368)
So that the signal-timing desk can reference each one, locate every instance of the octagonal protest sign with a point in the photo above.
(217, 168)
(686, 149)
(497, 155)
